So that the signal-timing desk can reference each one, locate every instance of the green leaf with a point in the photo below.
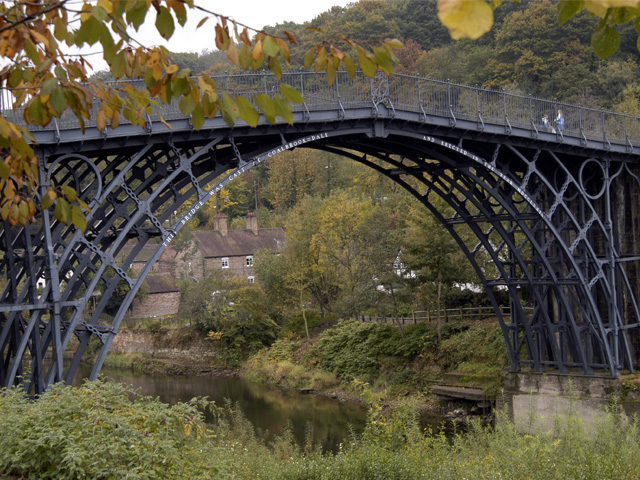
(350, 67)
(275, 67)
(307, 60)
(197, 117)
(247, 111)
(368, 66)
(321, 60)
(48, 198)
(5, 172)
(78, 219)
(331, 73)
(31, 51)
(62, 211)
(257, 64)
(393, 43)
(291, 94)
(34, 113)
(267, 106)
(15, 77)
(209, 106)
(149, 80)
(61, 73)
(244, 56)
(605, 41)
(89, 32)
(118, 65)
(136, 14)
(60, 29)
(283, 108)
(567, 9)
(99, 13)
(69, 193)
(58, 101)
(229, 109)
(23, 215)
(187, 105)
(270, 46)
(384, 60)
(164, 23)
(48, 86)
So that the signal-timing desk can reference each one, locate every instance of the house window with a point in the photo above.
(251, 279)
(225, 262)
(249, 260)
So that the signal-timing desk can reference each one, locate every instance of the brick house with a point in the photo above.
(225, 249)
(163, 292)
(220, 248)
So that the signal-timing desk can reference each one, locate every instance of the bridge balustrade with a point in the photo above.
(405, 92)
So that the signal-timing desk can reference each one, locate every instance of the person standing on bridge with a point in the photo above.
(560, 121)
(545, 122)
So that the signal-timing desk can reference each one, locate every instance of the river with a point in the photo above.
(269, 408)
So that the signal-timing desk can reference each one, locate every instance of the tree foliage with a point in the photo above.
(473, 18)
(44, 81)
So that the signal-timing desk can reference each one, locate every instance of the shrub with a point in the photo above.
(352, 349)
(479, 344)
(315, 320)
(94, 432)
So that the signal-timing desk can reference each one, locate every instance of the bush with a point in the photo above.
(315, 320)
(95, 432)
(353, 350)
(479, 344)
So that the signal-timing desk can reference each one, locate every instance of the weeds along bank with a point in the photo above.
(338, 359)
(394, 363)
(97, 432)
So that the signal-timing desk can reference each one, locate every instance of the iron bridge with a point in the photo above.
(555, 212)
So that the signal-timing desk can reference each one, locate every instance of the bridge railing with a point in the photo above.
(444, 314)
(403, 92)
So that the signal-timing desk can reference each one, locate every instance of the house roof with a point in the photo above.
(238, 242)
(143, 255)
(161, 283)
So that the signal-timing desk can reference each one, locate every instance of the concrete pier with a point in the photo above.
(537, 402)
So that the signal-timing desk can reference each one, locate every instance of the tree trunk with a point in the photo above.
(439, 294)
(304, 316)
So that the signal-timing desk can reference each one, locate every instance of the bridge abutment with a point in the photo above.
(539, 403)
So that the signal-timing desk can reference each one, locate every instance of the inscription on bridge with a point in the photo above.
(239, 171)
(487, 165)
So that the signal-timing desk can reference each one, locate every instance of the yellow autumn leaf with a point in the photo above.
(465, 18)
(596, 7)
(615, 3)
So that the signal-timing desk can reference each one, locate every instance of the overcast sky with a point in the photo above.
(254, 13)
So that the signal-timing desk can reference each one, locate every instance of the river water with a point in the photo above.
(269, 408)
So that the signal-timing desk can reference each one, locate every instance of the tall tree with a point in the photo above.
(434, 256)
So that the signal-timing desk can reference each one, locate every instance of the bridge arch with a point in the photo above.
(464, 180)
(538, 204)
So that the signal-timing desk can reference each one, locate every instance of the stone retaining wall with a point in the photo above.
(198, 351)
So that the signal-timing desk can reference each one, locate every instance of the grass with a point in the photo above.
(60, 434)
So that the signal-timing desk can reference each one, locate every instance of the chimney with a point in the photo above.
(220, 224)
(252, 223)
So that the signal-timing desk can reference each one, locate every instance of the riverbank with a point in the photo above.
(374, 364)
(98, 432)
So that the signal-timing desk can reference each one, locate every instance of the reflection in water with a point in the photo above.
(267, 407)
